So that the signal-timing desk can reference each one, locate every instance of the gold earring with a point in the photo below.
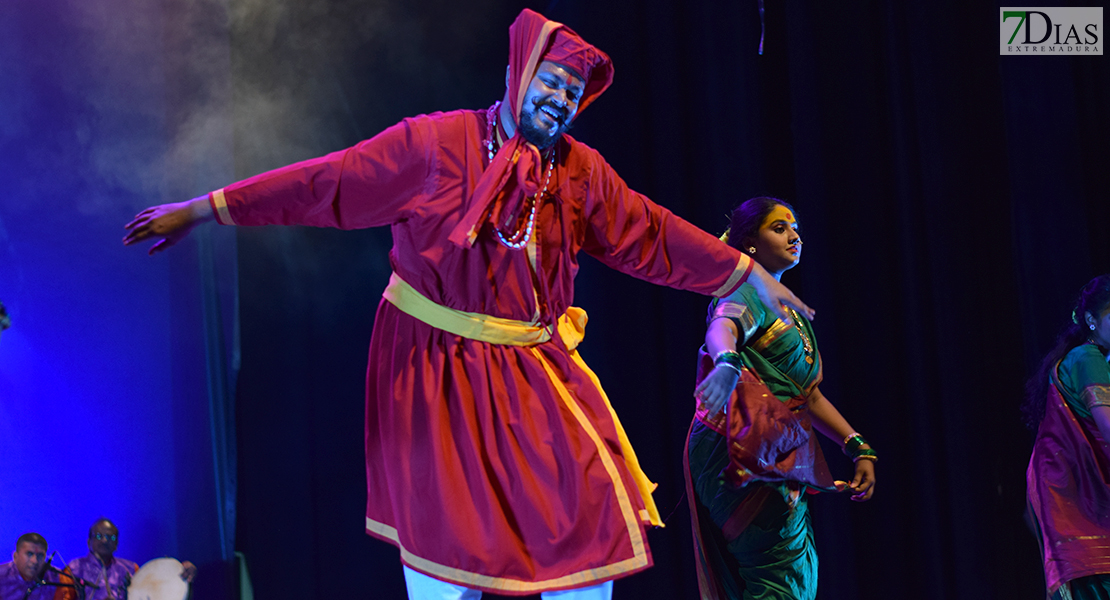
(751, 249)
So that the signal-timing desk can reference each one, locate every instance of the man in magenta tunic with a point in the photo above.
(494, 460)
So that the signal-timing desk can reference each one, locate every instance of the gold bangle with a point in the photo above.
(870, 457)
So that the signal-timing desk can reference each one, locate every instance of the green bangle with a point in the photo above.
(730, 358)
(852, 444)
(868, 453)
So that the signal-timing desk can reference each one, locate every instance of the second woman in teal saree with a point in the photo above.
(751, 453)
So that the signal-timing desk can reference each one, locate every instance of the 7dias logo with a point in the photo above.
(1063, 31)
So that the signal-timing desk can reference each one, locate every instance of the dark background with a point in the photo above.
(952, 203)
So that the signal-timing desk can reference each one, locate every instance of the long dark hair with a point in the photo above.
(1093, 298)
(745, 219)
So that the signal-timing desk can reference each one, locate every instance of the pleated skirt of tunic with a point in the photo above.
(496, 467)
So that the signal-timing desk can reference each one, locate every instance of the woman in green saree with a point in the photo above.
(751, 453)
(1068, 480)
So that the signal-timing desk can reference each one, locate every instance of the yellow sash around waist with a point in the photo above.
(484, 328)
(495, 330)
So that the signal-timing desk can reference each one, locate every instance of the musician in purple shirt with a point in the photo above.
(29, 570)
(110, 574)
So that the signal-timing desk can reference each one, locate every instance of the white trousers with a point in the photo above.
(422, 587)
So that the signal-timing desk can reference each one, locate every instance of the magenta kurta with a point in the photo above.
(112, 580)
(13, 587)
(497, 467)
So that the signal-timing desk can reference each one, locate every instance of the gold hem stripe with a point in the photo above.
(734, 279)
(223, 215)
(571, 328)
(382, 529)
(467, 578)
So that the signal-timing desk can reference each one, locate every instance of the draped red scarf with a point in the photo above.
(516, 171)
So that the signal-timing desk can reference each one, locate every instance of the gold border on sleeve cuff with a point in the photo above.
(742, 268)
(1096, 395)
(220, 204)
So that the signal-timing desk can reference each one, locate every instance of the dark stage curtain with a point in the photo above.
(952, 202)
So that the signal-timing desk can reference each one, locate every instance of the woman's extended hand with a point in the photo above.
(714, 391)
(863, 484)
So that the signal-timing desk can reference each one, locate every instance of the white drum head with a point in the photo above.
(159, 579)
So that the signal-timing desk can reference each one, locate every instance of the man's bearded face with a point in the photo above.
(550, 104)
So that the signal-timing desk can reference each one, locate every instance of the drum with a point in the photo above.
(159, 579)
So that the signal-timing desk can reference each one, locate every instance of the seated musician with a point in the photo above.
(110, 574)
(29, 576)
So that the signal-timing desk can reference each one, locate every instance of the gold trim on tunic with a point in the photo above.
(571, 329)
(650, 513)
(469, 579)
(219, 202)
(734, 279)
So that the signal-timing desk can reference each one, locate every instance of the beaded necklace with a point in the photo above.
(520, 238)
(806, 344)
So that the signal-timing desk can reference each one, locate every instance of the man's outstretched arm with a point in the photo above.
(376, 182)
(630, 233)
